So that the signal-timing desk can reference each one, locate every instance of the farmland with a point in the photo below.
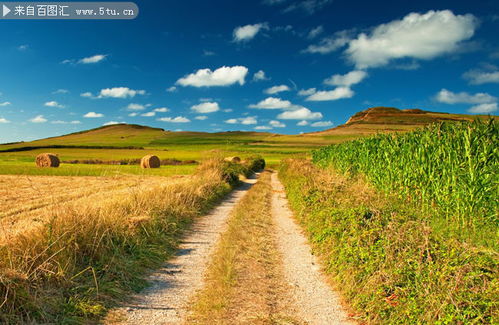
(451, 168)
(108, 144)
(126, 141)
(95, 243)
(405, 224)
(29, 201)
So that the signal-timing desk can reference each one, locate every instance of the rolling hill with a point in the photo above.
(132, 136)
(390, 119)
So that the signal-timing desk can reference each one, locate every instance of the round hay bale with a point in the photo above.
(235, 160)
(47, 160)
(150, 161)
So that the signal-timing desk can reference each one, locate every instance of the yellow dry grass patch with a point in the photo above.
(88, 252)
(27, 201)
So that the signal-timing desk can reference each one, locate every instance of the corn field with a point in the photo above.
(450, 168)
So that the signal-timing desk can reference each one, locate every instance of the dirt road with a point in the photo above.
(165, 302)
(315, 301)
(308, 297)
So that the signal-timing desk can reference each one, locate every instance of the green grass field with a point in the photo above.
(128, 141)
(29, 168)
(136, 142)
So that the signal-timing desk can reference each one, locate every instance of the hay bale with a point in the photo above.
(47, 160)
(235, 160)
(150, 161)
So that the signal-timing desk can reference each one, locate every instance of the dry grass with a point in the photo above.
(71, 267)
(244, 282)
(27, 201)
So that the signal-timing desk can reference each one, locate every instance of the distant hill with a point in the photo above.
(128, 136)
(119, 135)
(391, 119)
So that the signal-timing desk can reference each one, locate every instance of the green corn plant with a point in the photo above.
(450, 169)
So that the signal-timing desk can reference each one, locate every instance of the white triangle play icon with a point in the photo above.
(6, 10)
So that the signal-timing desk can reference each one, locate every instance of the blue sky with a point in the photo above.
(285, 66)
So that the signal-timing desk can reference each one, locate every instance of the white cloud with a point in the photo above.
(120, 92)
(5, 104)
(92, 59)
(206, 107)
(483, 108)
(277, 124)
(276, 89)
(315, 32)
(231, 121)
(208, 53)
(23, 47)
(273, 2)
(38, 119)
(64, 122)
(87, 94)
(162, 109)
(148, 114)
(309, 6)
(260, 76)
(133, 114)
(93, 115)
(178, 119)
(448, 97)
(135, 107)
(307, 92)
(228, 110)
(284, 28)
(4, 120)
(418, 36)
(338, 93)
(53, 104)
(224, 76)
(330, 44)
(249, 120)
(272, 103)
(263, 127)
(477, 77)
(300, 114)
(112, 123)
(60, 91)
(346, 80)
(172, 89)
(302, 123)
(248, 32)
(201, 117)
(321, 124)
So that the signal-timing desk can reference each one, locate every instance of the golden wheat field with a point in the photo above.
(27, 201)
